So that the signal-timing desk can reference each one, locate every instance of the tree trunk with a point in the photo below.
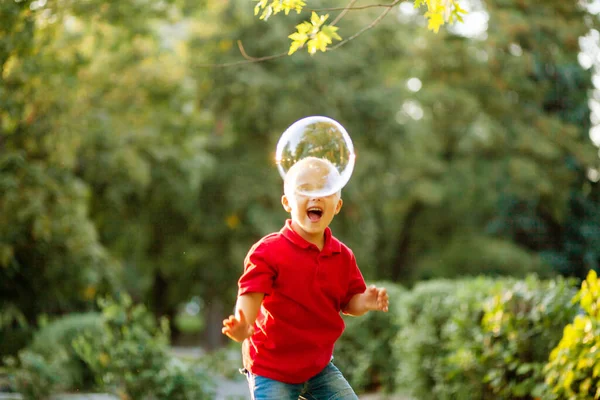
(160, 306)
(214, 313)
(399, 266)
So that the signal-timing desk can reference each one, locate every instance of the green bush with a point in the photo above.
(36, 377)
(50, 363)
(364, 351)
(131, 356)
(480, 338)
(573, 371)
(123, 350)
(130, 351)
(13, 340)
(437, 344)
(15, 331)
(58, 336)
(521, 325)
(179, 380)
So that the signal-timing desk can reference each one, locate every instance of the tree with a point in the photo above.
(102, 155)
(523, 131)
(51, 259)
(545, 222)
(449, 158)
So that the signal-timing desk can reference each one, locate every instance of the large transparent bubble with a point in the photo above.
(315, 156)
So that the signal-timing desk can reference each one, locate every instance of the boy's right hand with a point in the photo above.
(237, 329)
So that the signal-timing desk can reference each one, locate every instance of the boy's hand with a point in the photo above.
(237, 329)
(376, 299)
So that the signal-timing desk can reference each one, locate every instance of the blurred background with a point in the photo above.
(138, 168)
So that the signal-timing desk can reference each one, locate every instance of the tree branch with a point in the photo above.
(366, 28)
(350, 8)
(344, 11)
(249, 59)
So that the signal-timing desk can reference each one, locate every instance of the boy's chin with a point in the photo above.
(313, 227)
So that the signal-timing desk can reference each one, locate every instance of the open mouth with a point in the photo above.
(314, 213)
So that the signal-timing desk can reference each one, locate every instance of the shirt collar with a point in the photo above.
(332, 245)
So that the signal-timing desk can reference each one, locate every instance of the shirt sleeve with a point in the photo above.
(356, 283)
(259, 274)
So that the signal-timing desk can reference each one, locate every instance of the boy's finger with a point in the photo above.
(242, 316)
(231, 318)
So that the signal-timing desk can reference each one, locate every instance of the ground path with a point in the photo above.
(227, 389)
(238, 389)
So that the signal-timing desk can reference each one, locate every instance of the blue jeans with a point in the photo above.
(328, 384)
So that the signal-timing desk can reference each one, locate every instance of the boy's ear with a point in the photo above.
(285, 203)
(338, 206)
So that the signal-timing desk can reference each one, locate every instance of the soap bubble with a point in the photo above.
(318, 155)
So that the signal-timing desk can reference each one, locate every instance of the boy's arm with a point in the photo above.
(249, 303)
(241, 325)
(372, 299)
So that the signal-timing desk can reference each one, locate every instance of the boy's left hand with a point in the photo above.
(376, 299)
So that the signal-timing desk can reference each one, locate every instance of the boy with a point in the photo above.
(294, 285)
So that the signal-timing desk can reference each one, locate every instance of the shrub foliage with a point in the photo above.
(471, 338)
(573, 371)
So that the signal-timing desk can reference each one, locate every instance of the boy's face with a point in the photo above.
(312, 214)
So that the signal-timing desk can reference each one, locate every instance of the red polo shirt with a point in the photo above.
(305, 290)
